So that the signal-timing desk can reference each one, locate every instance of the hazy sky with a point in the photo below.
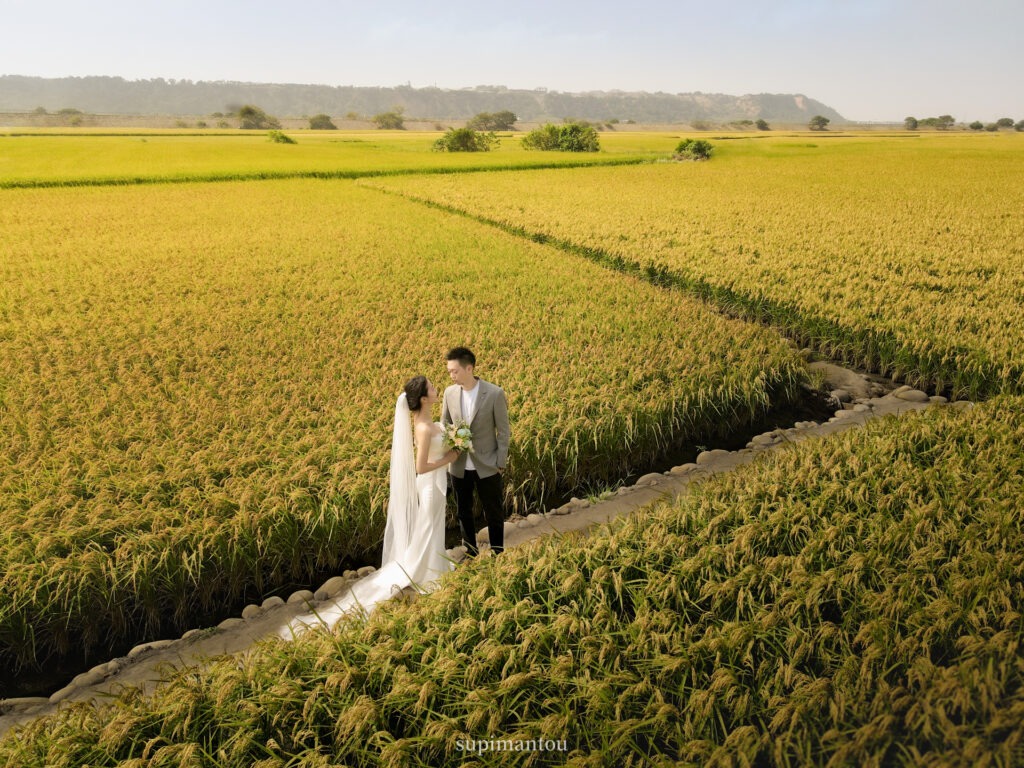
(868, 59)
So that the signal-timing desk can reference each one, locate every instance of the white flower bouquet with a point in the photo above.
(458, 436)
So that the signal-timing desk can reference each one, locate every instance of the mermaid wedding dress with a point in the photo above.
(414, 553)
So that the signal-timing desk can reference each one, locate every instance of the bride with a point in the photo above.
(414, 552)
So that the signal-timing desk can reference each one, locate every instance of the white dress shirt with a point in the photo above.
(468, 409)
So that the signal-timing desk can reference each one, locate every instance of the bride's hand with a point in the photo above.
(451, 456)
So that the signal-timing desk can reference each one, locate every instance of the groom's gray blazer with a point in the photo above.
(489, 426)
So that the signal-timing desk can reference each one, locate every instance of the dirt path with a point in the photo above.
(147, 664)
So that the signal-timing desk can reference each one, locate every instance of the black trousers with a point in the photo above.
(492, 498)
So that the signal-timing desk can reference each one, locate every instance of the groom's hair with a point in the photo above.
(415, 390)
(464, 355)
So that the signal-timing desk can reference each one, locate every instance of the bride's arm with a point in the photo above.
(423, 435)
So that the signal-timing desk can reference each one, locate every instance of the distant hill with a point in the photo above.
(115, 95)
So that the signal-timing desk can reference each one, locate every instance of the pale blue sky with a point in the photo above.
(868, 59)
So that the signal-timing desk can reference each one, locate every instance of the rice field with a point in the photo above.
(45, 159)
(198, 382)
(196, 387)
(902, 254)
(847, 601)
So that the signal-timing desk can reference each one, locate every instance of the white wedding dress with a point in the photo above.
(414, 552)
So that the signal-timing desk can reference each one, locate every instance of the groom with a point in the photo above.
(484, 407)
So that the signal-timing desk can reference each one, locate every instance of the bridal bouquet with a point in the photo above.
(458, 436)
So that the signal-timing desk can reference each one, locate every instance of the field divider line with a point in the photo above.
(127, 181)
(874, 350)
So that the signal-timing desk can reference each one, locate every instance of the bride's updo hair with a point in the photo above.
(415, 391)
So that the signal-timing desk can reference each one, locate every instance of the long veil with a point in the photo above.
(403, 501)
(403, 505)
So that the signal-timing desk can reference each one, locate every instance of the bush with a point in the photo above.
(571, 137)
(201, 124)
(390, 121)
(544, 138)
(910, 123)
(977, 125)
(578, 138)
(465, 140)
(322, 123)
(762, 124)
(279, 138)
(693, 149)
(1019, 125)
(255, 119)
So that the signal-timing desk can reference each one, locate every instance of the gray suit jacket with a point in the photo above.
(489, 425)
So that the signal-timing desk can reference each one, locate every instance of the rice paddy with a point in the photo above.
(196, 390)
(843, 601)
(903, 255)
(198, 383)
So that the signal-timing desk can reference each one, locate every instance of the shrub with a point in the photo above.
(390, 121)
(201, 124)
(910, 123)
(322, 123)
(693, 149)
(578, 138)
(465, 140)
(1019, 125)
(544, 138)
(762, 124)
(977, 125)
(571, 137)
(279, 138)
(253, 118)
